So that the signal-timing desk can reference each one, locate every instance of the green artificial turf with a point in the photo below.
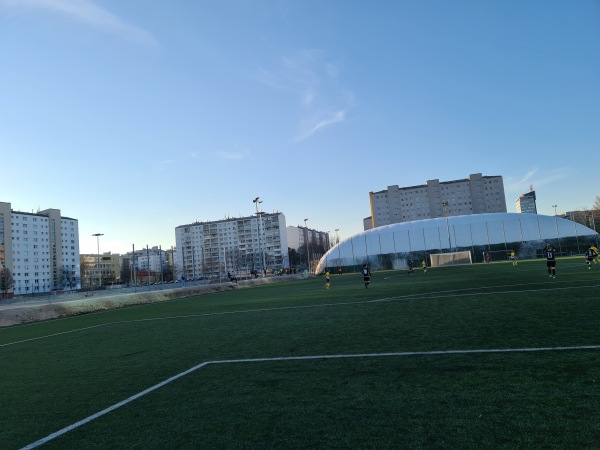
(59, 372)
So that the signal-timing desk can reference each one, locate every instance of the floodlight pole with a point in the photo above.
(445, 206)
(256, 201)
(307, 251)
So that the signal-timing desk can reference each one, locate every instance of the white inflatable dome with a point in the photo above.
(525, 233)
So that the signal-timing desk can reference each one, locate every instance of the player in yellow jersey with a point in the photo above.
(597, 258)
(327, 279)
(424, 265)
(513, 257)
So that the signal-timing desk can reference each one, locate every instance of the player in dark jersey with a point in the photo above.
(551, 260)
(590, 254)
(366, 275)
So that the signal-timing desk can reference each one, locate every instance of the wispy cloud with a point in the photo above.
(536, 179)
(337, 117)
(313, 80)
(86, 12)
(231, 156)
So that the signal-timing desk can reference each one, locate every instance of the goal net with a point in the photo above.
(446, 259)
(496, 255)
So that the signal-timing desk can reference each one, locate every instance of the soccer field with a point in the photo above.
(477, 356)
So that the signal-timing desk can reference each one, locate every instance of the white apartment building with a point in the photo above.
(475, 195)
(153, 259)
(40, 249)
(526, 203)
(149, 264)
(298, 236)
(211, 249)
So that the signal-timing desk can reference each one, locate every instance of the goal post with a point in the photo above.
(448, 259)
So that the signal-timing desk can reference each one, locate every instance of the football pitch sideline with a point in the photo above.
(485, 355)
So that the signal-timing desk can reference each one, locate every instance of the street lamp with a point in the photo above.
(307, 251)
(445, 206)
(554, 206)
(99, 273)
(256, 201)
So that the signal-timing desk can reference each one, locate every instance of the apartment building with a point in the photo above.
(41, 250)
(526, 203)
(211, 249)
(152, 264)
(154, 259)
(298, 236)
(476, 194)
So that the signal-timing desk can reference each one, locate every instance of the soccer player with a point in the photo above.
(410, 266)
(551, 260)
(597, 258)
(590, 254)
(366, 275)
(513, 258)
(424, 265)
(327, 279)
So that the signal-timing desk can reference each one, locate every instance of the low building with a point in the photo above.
(100, 270)
(590, 218)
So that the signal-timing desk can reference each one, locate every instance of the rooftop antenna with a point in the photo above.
(531, 187)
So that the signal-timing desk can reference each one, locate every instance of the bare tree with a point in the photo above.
(7, 282)
(168, 273)
(126, 271)
(68, 278)
(84, 269)
(596, 206)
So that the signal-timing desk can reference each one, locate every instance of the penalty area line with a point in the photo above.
(293, 358)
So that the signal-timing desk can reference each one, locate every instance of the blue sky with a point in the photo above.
(136, 116)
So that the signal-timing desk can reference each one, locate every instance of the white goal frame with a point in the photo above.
(450, 259)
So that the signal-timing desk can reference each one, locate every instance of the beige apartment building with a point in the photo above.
(476, 194)
(100, 270)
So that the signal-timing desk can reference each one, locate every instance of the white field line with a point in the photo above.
(462, 293)
(570, 268)
(292, 358)
(423, 296)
